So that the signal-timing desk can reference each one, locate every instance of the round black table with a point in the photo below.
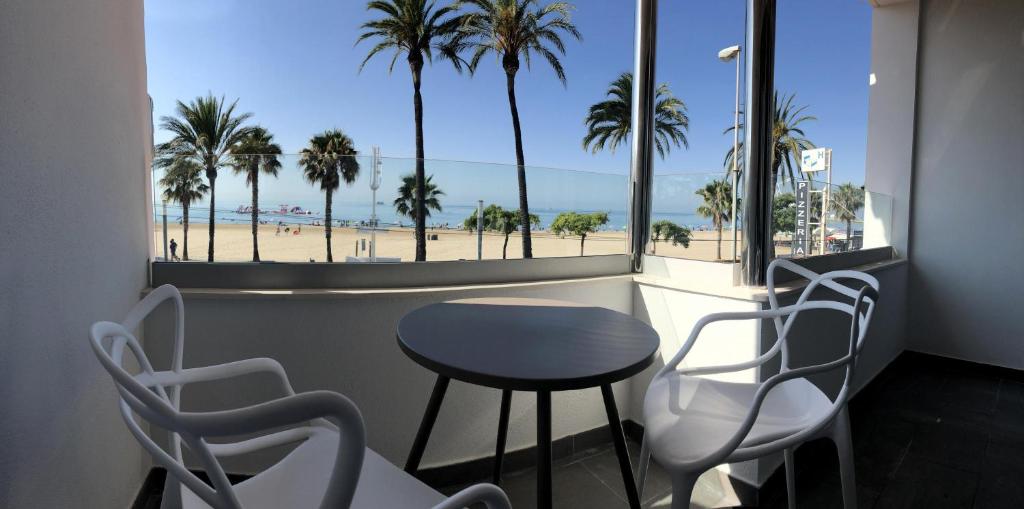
(533, 345)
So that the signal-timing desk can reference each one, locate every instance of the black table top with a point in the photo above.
(527, 344)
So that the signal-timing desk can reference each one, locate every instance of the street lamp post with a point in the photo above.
(374, 186)
(726, 55)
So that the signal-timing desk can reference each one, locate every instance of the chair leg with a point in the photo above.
(790, 478)
(641, 469)
(844, 445)
(682, 489)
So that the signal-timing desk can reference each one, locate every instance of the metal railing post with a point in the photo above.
(641, 166)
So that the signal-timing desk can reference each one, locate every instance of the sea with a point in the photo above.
(451, 216)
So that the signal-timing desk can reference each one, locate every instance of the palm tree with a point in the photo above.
(254, 154)
(717, 205)
(789, 139)
(407, 205)
(183, 183)
(500, 220)
(416, 29)
(328, 160)
(845, 202)
(667, 231)
(609, 122)
(514, 29)
(204, 130)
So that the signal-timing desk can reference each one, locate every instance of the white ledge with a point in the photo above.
(236, 293)
(756, 294)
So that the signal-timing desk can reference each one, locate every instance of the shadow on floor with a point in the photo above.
(928, 432)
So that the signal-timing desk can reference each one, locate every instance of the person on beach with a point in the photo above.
(174, 251)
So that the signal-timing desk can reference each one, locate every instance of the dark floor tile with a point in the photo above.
(927, 432)
(824, 496)
(879, 451)
(606, 467)
(915, 398)
(573, 486)
(921, 484)
(1000, 489)
(1001, 481)
(713, 490)
(1008, 419)
(971, 391)
(950, 444)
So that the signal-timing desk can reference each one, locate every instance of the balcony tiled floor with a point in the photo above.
(928, 433)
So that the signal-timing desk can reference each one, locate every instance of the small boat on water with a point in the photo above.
(282, 210)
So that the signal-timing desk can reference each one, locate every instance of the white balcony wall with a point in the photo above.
(967, 230)
(73, 158)
(347, 343)
(890, 136)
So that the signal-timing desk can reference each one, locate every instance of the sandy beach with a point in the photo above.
(234, 244)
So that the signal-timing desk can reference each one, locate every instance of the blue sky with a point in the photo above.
(294, 65)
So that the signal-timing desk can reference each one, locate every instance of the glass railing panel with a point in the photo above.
(855, 219)
(692, 217)
(292, 217)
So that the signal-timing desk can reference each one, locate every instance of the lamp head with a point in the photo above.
(727, 54)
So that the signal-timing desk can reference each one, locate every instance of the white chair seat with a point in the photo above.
(300, 478)
(686, 418)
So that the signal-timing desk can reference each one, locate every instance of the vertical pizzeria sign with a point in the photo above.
(800, 235)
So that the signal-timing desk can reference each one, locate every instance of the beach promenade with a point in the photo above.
(234, 244)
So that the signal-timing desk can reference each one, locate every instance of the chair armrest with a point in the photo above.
(289, 411)
(218, 372)
(488, 494)
(719, 317)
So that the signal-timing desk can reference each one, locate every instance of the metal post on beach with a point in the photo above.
(166, 259)
(479, 229)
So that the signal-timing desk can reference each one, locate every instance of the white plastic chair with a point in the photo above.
(693, 424)
(330, 467)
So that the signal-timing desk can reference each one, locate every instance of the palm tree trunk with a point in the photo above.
(776, 166)
(583, 238)
(524, 206)
(211, 175)
(420, 195)
(255, 214)
(327, 223)
(719, 228)
(654, 246)
(184, 224)
(504, 248)
(849, 235)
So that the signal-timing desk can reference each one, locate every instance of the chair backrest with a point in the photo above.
(861, 306)
(155, 402)
(860, 311)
